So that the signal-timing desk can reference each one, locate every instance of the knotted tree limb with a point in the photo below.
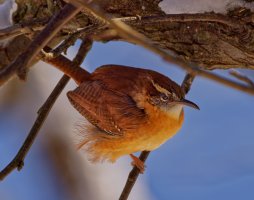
(19, 66)
(133, 175)
(192, 36)
(211, 40)
(132, 35)
(43, 112)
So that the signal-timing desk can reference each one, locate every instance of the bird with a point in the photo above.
(129, 110)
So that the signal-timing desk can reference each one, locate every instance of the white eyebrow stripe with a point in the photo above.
(161, 89)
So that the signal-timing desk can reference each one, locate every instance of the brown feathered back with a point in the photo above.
(107, 101)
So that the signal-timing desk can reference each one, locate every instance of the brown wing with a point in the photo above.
(111, 111)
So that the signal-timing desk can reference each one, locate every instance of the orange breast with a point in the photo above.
(158, 129)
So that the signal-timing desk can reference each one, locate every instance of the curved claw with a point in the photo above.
(138, 163)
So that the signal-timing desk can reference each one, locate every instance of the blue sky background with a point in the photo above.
(210, 158)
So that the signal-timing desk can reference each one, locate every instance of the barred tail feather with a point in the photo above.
(95, 143)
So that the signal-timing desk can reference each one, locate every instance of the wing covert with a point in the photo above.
(111, 111)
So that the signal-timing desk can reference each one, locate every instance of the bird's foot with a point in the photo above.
(138, 163)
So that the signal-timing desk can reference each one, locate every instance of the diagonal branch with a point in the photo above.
(19, 66)
(18, 160)
(132, 35)
(35, 25)
(22, 28)
(242, 77)
(43, 112)
(133, 175)
(129, 34)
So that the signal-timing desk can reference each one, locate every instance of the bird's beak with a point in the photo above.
(186, 102)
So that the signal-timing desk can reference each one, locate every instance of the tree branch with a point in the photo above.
(22, 28)
(127, 33)
(133, 175)
(131, 35)
(43, 112)
(19, 66)
(242, 77)
(187, 82)
(18, 160)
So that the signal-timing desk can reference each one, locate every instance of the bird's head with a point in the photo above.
(165, 94)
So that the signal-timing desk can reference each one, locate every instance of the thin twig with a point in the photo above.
(31, 26)
(186, 17)
(43, 112)
(187, 82)
(131, 35)
(18, 160)
(84, 48)
(19, 66)
(133, 175)
(242, 77)
(23, 28)
(69, 41)
(63, 47)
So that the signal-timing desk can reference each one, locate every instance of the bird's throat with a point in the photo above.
(175, 111)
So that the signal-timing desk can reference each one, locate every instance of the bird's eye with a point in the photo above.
(164, 97)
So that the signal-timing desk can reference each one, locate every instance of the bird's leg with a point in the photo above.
(138, 163)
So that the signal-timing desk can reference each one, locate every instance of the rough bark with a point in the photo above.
(211, 44)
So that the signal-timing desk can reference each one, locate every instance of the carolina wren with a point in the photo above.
(130, 110)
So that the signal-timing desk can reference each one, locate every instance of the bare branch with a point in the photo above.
(187, 82)
(131, 35)
(202, 20)
(133, 176)
(242, 77)
(63, 47)
(43, 112)
(84, 48)
(22, 28)
(19, 66)
(18, 161)
(197, 17)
